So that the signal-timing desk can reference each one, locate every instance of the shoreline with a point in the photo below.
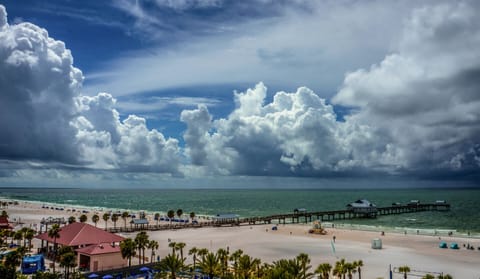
(420, 252)
(439, 232)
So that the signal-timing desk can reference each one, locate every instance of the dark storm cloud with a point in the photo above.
(426, 96)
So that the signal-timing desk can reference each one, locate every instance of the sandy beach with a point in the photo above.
(419, 252)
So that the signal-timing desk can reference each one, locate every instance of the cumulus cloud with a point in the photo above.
(45, 118)
(425, 96)
(417, 111)
(38, 85)
(297, 133)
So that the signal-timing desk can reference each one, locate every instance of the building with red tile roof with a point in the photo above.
(96, 249)
(102, 256)
(81, 234)
(4, 224)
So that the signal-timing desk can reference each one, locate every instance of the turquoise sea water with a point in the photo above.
(464, 215)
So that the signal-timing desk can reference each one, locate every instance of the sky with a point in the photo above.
(146, 91)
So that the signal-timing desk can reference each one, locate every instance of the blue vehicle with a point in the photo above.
(33, 264)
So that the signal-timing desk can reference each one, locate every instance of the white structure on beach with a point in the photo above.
(362, 206)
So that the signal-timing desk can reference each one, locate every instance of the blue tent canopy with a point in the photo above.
(443, 244)
(454, 245)
(93, 275)
(32, 264)
(108, 276)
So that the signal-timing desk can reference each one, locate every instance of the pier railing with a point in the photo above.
(295, 217)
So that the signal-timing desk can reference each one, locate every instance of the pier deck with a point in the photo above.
(296, 217)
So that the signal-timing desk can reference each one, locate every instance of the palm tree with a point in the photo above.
(193, 251)
(235, 257)
(171, 263)
(350, 268)
(18, 236)
(202, 252)
(323, 270)
(446, 276)
(170, 215)
(83, 218)
(67, 259)
(428, 276)
(23, 231)
(340, 269)
(404, 269)
(95, 219)
(153, 245)
(72, 219)
(304, 261)
(12, 260)
(285, 269)
(105, 218)
(179, 213)
(210, 265)
(29, 234)
(157, 217)
(180, 246)
(359, 265)
(192, 215)
(141, 240)
(247, 266)
(124, 217)
(54, 233)
(114, 220)
(128, 250)
(222, 255)
(174, 246)
(22, 250)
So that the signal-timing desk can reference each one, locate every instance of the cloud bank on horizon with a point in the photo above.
(417, 111)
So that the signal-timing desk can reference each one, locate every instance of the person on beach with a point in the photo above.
(334, 238)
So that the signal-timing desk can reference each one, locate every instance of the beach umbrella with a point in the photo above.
(144, 269)
(108, 276)
(93, 275)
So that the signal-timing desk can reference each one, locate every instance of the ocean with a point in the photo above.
(464, 216)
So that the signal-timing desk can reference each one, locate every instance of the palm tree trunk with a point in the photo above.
(54, 253)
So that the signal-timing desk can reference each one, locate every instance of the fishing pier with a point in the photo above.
(298, 216)
(304, 216)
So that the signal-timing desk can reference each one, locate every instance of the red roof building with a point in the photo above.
(98, 257)
(81, 234)
(96, 249)
(4, 224)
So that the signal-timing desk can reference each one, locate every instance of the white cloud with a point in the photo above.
(45, 119)
(297, 133)
(311, 48)
(425, 95)
(156, 104)
(418, 111)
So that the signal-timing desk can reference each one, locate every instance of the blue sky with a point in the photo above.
(197, 88)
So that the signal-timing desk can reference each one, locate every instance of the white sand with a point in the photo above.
(418, 252)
